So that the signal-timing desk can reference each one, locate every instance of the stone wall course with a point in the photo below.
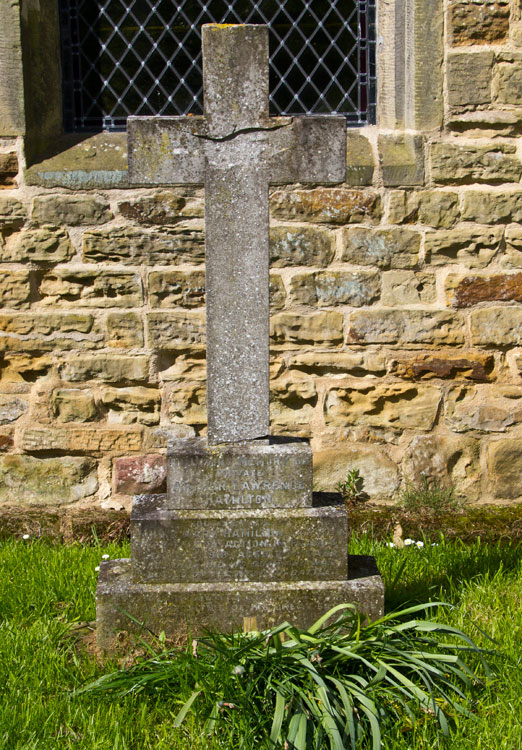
(493, 162)
(326, 205)
(9, 169)
(473, 22)
(183, 243)
(330, 288)
(69, 210)
(395, 296)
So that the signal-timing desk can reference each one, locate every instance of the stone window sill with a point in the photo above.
(100, 161)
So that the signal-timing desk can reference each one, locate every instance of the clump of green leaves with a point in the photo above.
(351, 488)
(337, 684)
(429, 495)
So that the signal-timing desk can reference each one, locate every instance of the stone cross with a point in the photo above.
(236, 150)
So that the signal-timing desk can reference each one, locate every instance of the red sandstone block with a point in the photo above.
(139, 474)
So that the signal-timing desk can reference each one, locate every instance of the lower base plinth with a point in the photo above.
(183, 610)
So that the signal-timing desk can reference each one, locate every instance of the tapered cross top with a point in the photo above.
(236, 150)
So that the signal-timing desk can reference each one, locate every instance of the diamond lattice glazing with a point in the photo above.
(143, 57)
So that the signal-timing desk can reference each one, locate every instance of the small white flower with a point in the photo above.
(434, 544)
(238, 669)
(26, 536)
(390, 544)
(407, 542)
(105, 557)
(419, 544)
(96, 569)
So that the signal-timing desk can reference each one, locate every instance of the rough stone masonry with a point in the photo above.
(237, 536)
(396, 302)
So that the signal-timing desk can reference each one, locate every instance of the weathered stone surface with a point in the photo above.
(131, 405)
(181, 610)
(450, 460)
(484, 123)
(433, 327)
(469, 78)
(175, 330)
(15, 289)
(478, 22)
(187, 403)
(12, 408)
(48, 331)
(133, 475)
(176, 288)
(99, 161)
(277, 292)
(407, 288)
(513, 256)
(380, 475)
(24, 368)
(162, 208)
(110, 368)
(124, 330)
(327, 288)
(473, 245)
(12, 212)
(438, 208)
(292, 403)
(184, 243)
(253, 475)
(59, 209)
(300, 246)
(6, 442)
(360, 161)
(505, 468)
(95, 439)
(156, 438)
(396, 406)
(465, 365)
(77, 287)
(403, 207)
(8, 169)
(360, 363)
(402, 159)
(508, 83)
(44, 245)
(247, 544)
(181, 365)
(466, 291)
(483, 408)
(492, 207)
(318, 328)
(328, 205)
(46, 481)
(384, 248)
(497, 326)
(73, 405)
(454, 163)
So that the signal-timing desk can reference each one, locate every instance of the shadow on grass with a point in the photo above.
(412, 575)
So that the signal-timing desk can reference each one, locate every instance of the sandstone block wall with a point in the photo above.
(396, 302)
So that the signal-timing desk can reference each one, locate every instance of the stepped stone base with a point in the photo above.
(183, 610)
(265, 544)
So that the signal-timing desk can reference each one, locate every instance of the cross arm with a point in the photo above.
(166, 150)
(308, 149)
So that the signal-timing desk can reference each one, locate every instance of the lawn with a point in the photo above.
(47, 595)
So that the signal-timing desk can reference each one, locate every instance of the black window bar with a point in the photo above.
(143, 57)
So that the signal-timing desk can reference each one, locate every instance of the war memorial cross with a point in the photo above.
(236, 150)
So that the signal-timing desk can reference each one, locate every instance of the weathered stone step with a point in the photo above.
(281, 544)
(276, 473)
(184, 610)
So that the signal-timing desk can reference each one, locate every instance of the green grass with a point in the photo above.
(47, 591)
